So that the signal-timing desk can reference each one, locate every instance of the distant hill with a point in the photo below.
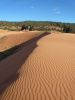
(37, 25)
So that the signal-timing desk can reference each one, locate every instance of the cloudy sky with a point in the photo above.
(44, 10)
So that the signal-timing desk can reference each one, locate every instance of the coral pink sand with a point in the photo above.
(48, 73)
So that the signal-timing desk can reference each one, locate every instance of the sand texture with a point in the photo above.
(42, 69)
(9, 39)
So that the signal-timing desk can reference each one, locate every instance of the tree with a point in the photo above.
(66, 29)
(23, 27)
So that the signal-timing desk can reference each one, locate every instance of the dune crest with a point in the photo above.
(48, 73)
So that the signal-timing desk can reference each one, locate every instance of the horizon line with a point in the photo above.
(37, 21)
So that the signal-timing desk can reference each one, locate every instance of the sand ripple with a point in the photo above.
(48, 73)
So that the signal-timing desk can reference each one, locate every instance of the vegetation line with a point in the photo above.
(38, 25)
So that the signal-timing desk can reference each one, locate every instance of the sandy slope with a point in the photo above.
(48, 72)
(9, 39)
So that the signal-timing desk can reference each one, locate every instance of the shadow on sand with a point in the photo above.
(15, 58)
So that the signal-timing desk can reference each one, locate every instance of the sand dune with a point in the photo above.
(9, 39)
(44, 69)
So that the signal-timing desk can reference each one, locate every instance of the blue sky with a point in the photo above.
(42, 10)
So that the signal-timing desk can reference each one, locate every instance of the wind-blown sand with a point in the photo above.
(46, 70)
(9, 39)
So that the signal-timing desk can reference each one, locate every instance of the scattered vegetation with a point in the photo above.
(38, 25)
(66, 29)
(29, 27)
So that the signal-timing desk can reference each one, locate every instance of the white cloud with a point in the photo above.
(56, 11)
